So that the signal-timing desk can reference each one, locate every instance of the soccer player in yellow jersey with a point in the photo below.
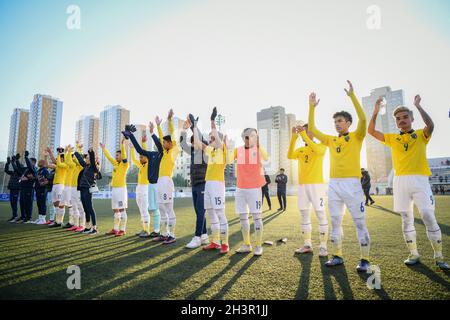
(411, 174)
(345, 172)
(142, 188)
(67, 194)
(79, 216)
(165, 185)
(60, 168)
(119, 194)
(214, 196)
(311, 189)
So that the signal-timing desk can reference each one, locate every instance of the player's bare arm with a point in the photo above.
(429, 124)
(373, 121)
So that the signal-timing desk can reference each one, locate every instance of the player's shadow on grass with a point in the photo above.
(234, 259)
(431, 274)
(160, 285)
(339, 273)
(66, 256)
(303, 286)
(380, 292)
(445, 229)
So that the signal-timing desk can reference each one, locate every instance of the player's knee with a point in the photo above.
(429, 218)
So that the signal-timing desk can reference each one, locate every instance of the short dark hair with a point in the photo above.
(305, 126)
(347, 116)
(167, 138)
(118, 151)
(33, 159)
(282, 169)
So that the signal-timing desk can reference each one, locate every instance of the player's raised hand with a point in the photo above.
(158, 120)
(102, 146)
(313, 99)
(417, 100)
(186, 124)
(170, 115)
(300, 129)
(151, 127)
(378, 103)
(294, 130)
(350, 88)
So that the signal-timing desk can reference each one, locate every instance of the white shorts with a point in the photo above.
(119, 198)
(214, 195)
(74, 195)
(248, 200)
(142, 198)
(311, 194)
(165, 189)
(410, 190)
(348, 192)
(67, 196)
(57, 193)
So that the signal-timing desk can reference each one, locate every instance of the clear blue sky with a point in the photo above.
(247, 48)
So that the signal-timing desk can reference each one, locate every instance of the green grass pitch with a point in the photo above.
(34, 260)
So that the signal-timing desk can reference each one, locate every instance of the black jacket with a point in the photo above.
(14, 177)
(154, 157)
(198, 160)
(365, 180)
(268, 181)
(281, 181)
(90, 174)
(25, 172)
(42, 179)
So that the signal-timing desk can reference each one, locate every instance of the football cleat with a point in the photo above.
(170, 240)
(154, 234)
(224, 248)
(205, 239)
(363, 266)
(323, 252)
(304, 249)
(412, 260)
(334, 261)
(212, 246)
(442, 265)
(112, 232)
(245, 248)
(160, 238)
(120, 233)
(258, 251)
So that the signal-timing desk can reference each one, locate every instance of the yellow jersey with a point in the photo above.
(119, 174)
(169, 156)
(310, 159)
(60, 171)
(345, 150)
(217, 160)
(68, 158)
(76, 172)
(409, 152)
(143, 168)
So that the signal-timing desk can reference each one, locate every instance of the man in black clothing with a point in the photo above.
(27, 179)
(41, 187)
(365, 182)
(14, 188)
(265, 192)
(281, 181)
(198, 172)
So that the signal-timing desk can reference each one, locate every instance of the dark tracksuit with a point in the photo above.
(265, 191)
(26, 190)
(198, 173)
(14, 188)
(365, 183)
(88, 178)
(281, 181)
(154, 157)
(41, 189)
